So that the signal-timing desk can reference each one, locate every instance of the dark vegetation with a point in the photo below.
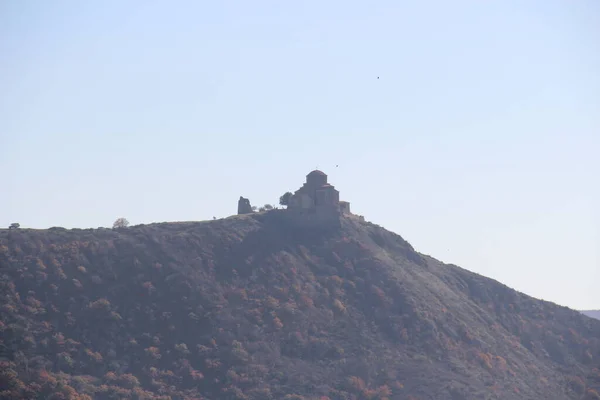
(121, 223)
(284, 200)
(248, 308)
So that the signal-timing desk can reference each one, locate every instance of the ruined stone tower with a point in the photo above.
(244, 206)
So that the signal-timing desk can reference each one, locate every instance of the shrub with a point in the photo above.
(120, 223)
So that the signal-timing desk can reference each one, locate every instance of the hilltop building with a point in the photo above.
(315, 204)
(317, 196)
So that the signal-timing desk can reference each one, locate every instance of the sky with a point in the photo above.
(479, 143)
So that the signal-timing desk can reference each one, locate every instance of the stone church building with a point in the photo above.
(317, 196)
(316, 204)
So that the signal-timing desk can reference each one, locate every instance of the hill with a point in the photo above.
(249, 308)
(592, 313)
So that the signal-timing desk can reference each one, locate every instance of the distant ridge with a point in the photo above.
(592, 313)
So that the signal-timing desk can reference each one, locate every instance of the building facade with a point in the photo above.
(317, 202)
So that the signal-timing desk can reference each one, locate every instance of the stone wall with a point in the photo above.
(345, 207)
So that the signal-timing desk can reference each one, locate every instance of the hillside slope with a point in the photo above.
(248, 308)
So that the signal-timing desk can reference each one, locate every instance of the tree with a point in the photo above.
(14, 225)
(284, 200)
(121, 223)
(268, 207)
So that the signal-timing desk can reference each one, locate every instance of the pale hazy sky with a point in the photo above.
(479, 143)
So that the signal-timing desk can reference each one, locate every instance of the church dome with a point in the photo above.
(316, 172)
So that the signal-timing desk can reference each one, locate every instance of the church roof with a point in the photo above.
(326, 186)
